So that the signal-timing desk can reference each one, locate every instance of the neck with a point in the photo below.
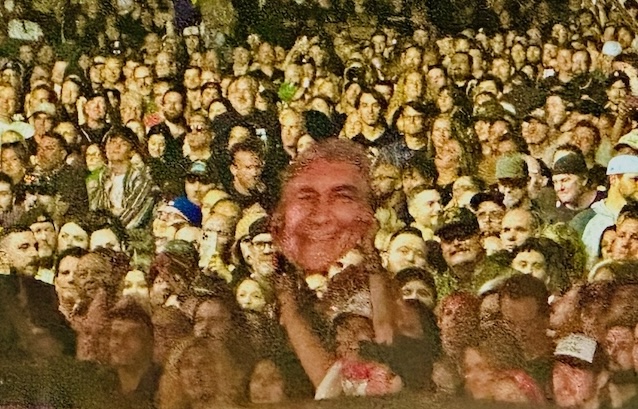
(94, 123)
(371, 132)
(615, 201)
(201, 153)
(415, 142)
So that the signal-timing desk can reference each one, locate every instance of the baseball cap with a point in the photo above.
(45, 108)
(629, 139)
(572, 163)
(457, 223)
(188, 209)
(623, 164)
(201, 171)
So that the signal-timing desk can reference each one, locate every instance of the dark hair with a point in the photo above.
(251, 144)
(73, 252)
(376, 95)
(406, 230)
(629, 211)
(4, 178)
(414, 273)
(525, 285)
(128, 309)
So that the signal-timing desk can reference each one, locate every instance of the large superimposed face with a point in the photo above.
(326, 212)
(406, 250)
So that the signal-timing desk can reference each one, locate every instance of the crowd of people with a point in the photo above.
(441, 202)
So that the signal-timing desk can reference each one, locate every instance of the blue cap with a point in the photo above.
(188, 209)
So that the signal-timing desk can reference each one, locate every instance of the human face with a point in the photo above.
(192, 79)
(143, 80)
(568, 187)
(21, 249)
(417, 290)
(8, 101)
(369, 109)
(617, 93)
(65, 285)
(46, 237)
(531, 262)
(104, 238)
(413, 86)
(156, 145)
(241, 95)
(628, 186)
(619, 343)
(164, 67)
(326, 213)
(50, 153)
(459, 68)
(262, 254)
(386, 179)
(448, 156)
(573, 387)
(406, 250)
(135, 285)
(436, 79)
(94, 158)
(411, 121)
(555, 110)
(130, 343)
(118, 149)
(196, 189)
(291, 130)
(6, 197)
(12, 165)
(534, 132)
(426, 207)
(246, 169)
(70, 93)
(412, 59)
(96, 108)
(173, 106)
(441, 132)
(250, 296)
(72, 235)
(516, 228)
(42, 123)
(514, 192)
(461, 251)
(218, 232)
(212, 320)
(625, 244)
(490, 216)
(520, 312)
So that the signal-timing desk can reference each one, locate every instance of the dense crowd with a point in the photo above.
(223, 204)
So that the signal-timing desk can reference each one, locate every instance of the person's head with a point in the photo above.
(518, 225)
(532, 258)
(292, 128)
(72, 235)
(458, 319)
(51, 152)
(14, 161)
(218, 232)
(199, 181)
(411, 58)
(8, 100)
(247, 163)
(267, 384)
(534, 130)
(326, 205)
(523, 302)
(460, 238)
(7, 196)
(570, 178)
(350, 331)
(417, 284)
(173, 105)
(576, 380)
(250, 295)
(371, 107)
(105, 238)
(135, 285)
(513, 180)
(619, 344)
(94, 273)
(386, 180)
(192, 78)
(95, 108)
(412, 119)
(131, 335)
(200, 134)
(242, 94)
(617, 88)
(425, 207)
(165, 65)
(143, 78)
(21, 249)
(460, 67)
(65, 281)
(406, 249)
(489, 210)
(44, 231)
(625, 243)
(622, 171)
(214, 314)
(120, 145)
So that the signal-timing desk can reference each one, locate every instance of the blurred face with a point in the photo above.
(291, 129)
(514, 191)
(386, 179)
(516, 228)
(411, 121)
(197, 375)
(568, 187)
(250, 296)
(326, 213)
(460, 251)
(413, 86)
(241, 95)
(369, 110)
(441, 132)
(173, 106)
(118, 149)
(192, 79)
(156, 145)
(96, 108)
(104, 238)
(531, 262)
(6, 197)
(42, 123)
(68, 132)
(65, 280)
(477, 374)
(135, 285)
(94, 159)
(412, 59)
(585, 138)
(573, 386)
(212, 320)
(436, 79)
(70, 92)
(459, 68)
(619, 343)
(21, 249)
(426, 207)
(417, 290)
(625, 244)
(445, 102)
(8, 101)
(46, 237)
(406, 250)
(617, 92)
(490, 216)
(129, 344)
(247, 168)
(262, 254)
(72, 235)
(266, 384)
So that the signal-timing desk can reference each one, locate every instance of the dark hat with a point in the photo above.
(318, 125)
(188, 209)
(259, 226)
(202, 171)
(511, 167)
(482, 197)
(572, 163)
(457, 222)
(123, 133)
(490, 111)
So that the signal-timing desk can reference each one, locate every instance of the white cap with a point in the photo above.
(629, 139)
(623, 164)
(612, 48)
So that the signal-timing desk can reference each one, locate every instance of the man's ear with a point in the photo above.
(384, 258)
